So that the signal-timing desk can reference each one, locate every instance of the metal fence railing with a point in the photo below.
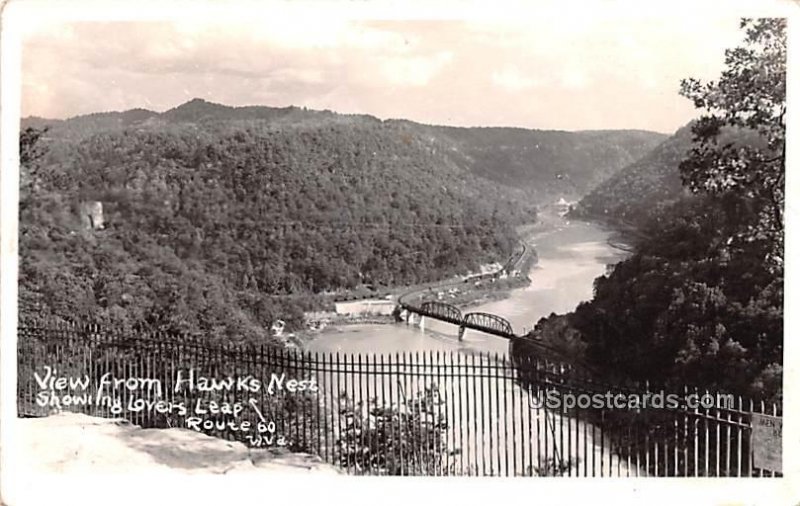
(399, 414)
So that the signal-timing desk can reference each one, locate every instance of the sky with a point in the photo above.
(563, 72)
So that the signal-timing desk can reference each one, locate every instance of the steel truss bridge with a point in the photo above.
(484, 322)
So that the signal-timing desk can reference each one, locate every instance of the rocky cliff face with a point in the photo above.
(91, 212)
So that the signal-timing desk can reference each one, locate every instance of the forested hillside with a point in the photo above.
(645, 188)
(629, 197)
(700, 301)
(223, 219)
(550, 163)
(224, 228)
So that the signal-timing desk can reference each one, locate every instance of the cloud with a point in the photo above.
(414, 70)
(511, 79)
(575, 79)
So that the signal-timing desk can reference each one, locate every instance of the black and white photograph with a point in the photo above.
(337, 242)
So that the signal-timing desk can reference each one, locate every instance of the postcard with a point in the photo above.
(253, 247)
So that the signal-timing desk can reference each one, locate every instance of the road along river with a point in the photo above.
(570, 256)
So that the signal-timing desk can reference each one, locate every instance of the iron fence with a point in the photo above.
(399, 414)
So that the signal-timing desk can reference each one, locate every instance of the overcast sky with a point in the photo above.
(549, 73)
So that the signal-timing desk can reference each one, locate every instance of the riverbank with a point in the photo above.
(457, 291)
(488, 292)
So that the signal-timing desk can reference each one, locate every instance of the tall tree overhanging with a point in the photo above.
(750, 98)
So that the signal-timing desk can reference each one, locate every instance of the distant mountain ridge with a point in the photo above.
(629, 196)
(547, 163)
(637, 192)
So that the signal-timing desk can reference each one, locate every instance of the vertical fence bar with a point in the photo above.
(458, 419)
(587, 420)
(297, 413)
(559, 451)
(541, 441)
(409, 408)
(706, 442)
(474, 379)
(627, 447)
(728, 443)
(696, 438)
(395, 415)
(430, 399)
(750, 444)
(686, 434)
(488, 409)
(502, 418)
(153, 370)
(504, 376)
(401, 405)
(323, 407)
(738, 436)
(450, 411)
(409, 372)
(718, 439)
(386, 404)
(571, 420)
(525, 410)
(500, 447)
(427, 455)
(342, 436)
(308, 373)
(442, 419)
(377, 437)
(340, 402)
(596, 448)
(511, 385)
(372, 397)
(361, 415)
(384, 416)
(299, 368)
(322, 418)
(412, 395)
(774, 413)
(463, 406)
(402, 444)
(656, 445)
(352, 419)
(675, 440)
(480, 447)
(356, 417)
(763, 410)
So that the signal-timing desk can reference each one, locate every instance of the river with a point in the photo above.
(570, 256)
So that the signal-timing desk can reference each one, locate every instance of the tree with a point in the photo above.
(750, 98)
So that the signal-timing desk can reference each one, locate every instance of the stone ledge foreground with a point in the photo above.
(61, 455)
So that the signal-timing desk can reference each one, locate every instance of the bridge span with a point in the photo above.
(519, 346)
(484, 322)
